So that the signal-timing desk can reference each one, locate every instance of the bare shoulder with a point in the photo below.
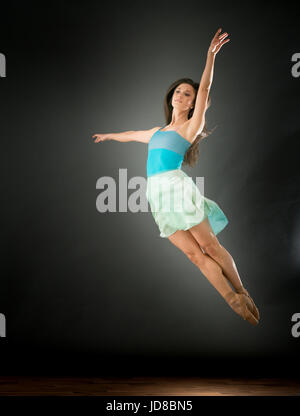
(154, 129)
(144, 136)
(187, 131)
(192, 131)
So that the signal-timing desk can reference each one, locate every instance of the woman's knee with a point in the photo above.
(212, 247)
(196, 256)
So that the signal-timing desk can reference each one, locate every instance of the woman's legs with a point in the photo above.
(206, 238)
(185, 241)
(209, 243)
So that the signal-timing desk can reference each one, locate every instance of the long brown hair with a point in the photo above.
(192, 153)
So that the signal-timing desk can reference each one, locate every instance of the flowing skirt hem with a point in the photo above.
(196, 208)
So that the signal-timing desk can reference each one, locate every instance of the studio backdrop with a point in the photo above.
(87, 285)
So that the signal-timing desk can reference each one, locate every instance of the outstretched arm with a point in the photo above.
(197, 121)
(124, 136)
(142, 136)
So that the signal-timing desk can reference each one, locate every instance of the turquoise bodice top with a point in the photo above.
(166, 150)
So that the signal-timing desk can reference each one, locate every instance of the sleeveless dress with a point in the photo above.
(175, 200)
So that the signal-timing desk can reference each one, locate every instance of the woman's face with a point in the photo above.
(183, 96)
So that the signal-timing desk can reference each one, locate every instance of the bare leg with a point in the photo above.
(208, 266)
(225, 260)
(212, 247)
(213, 272)
(185, 241)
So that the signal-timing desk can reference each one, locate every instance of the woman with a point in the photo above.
(193, 233)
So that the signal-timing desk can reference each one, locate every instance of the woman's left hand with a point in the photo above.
(218, 41)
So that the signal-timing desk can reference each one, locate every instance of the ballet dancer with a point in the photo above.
(169, 147)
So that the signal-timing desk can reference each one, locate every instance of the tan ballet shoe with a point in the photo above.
(253, 308)
(241, 304)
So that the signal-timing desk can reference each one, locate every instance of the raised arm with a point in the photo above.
(142, 136)
(197, 121)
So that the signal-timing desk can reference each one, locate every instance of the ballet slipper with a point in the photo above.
(253, 307)
(241, 304)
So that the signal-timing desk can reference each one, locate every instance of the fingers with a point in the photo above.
(225, 41)
(98, 138)
(222, 40)
(218, 32)
(223, 36)
(220, 37)
(219, 40)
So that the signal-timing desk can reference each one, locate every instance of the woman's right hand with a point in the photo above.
(100, 137)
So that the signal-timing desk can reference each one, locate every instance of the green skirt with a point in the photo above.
(177, 204)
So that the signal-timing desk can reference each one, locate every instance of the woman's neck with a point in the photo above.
(178, 121)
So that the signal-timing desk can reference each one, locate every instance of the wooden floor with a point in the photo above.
(146, 386)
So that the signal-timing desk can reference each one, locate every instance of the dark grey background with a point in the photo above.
(92, 293)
